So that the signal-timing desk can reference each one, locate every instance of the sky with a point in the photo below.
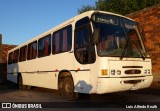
(22, 20)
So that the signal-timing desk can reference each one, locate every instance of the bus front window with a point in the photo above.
(117, 36)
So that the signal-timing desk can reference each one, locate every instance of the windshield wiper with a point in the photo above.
(124, 51)
(127, 40)
(143, 57)
(131, 49)
(128, 49)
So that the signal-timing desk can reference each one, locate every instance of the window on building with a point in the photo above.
(23, 54)
(32, 50)
(62, 40)
(44, 46)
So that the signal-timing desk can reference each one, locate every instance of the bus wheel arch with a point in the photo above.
(62, 74)
(66, 85)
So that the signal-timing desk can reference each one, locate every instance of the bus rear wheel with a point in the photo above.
(20, 83)
(68, 89)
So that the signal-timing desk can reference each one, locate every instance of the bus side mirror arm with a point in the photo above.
(96, 36)
(143, 35)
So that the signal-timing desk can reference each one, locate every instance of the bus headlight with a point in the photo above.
(113, 72)
(118, 72)
(147, 71)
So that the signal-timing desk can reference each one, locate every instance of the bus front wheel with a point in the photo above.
(60, 85)
(20, 83)
(68, 89)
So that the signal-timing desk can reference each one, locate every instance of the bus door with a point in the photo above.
(84, 56)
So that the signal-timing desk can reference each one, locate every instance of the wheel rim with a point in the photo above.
(68, 88)
(60, 85)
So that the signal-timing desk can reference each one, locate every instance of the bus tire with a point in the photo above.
(60, 85)
(28, 87)
(20, 83)
(68, 89)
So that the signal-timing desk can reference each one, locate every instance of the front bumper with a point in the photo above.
(109, 85)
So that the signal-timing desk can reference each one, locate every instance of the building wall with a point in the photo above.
(3, 63)
(149, 21)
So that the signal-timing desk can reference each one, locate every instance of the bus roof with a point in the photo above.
(88, 13)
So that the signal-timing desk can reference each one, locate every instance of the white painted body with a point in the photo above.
(88, 78)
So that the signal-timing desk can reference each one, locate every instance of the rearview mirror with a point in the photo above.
(96, 36)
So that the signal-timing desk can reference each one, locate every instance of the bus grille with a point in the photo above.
(133, 71)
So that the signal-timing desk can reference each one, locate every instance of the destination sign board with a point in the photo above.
(104, 18)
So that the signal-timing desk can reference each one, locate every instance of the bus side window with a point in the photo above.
(47, 48)
(62, 40)
(32, 50)
(10, 58)
(55, 43)
(65, 40)
(16, 56)
(44, 46)
(23, 52)
(83, 46)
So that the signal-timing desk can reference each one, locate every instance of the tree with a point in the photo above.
(86, 8)
(119, 6)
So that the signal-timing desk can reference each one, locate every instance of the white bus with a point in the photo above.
(94, 52)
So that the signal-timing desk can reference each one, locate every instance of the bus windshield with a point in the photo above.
(117, 36)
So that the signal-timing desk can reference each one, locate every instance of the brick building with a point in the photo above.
(149, 21)
(4, 48)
